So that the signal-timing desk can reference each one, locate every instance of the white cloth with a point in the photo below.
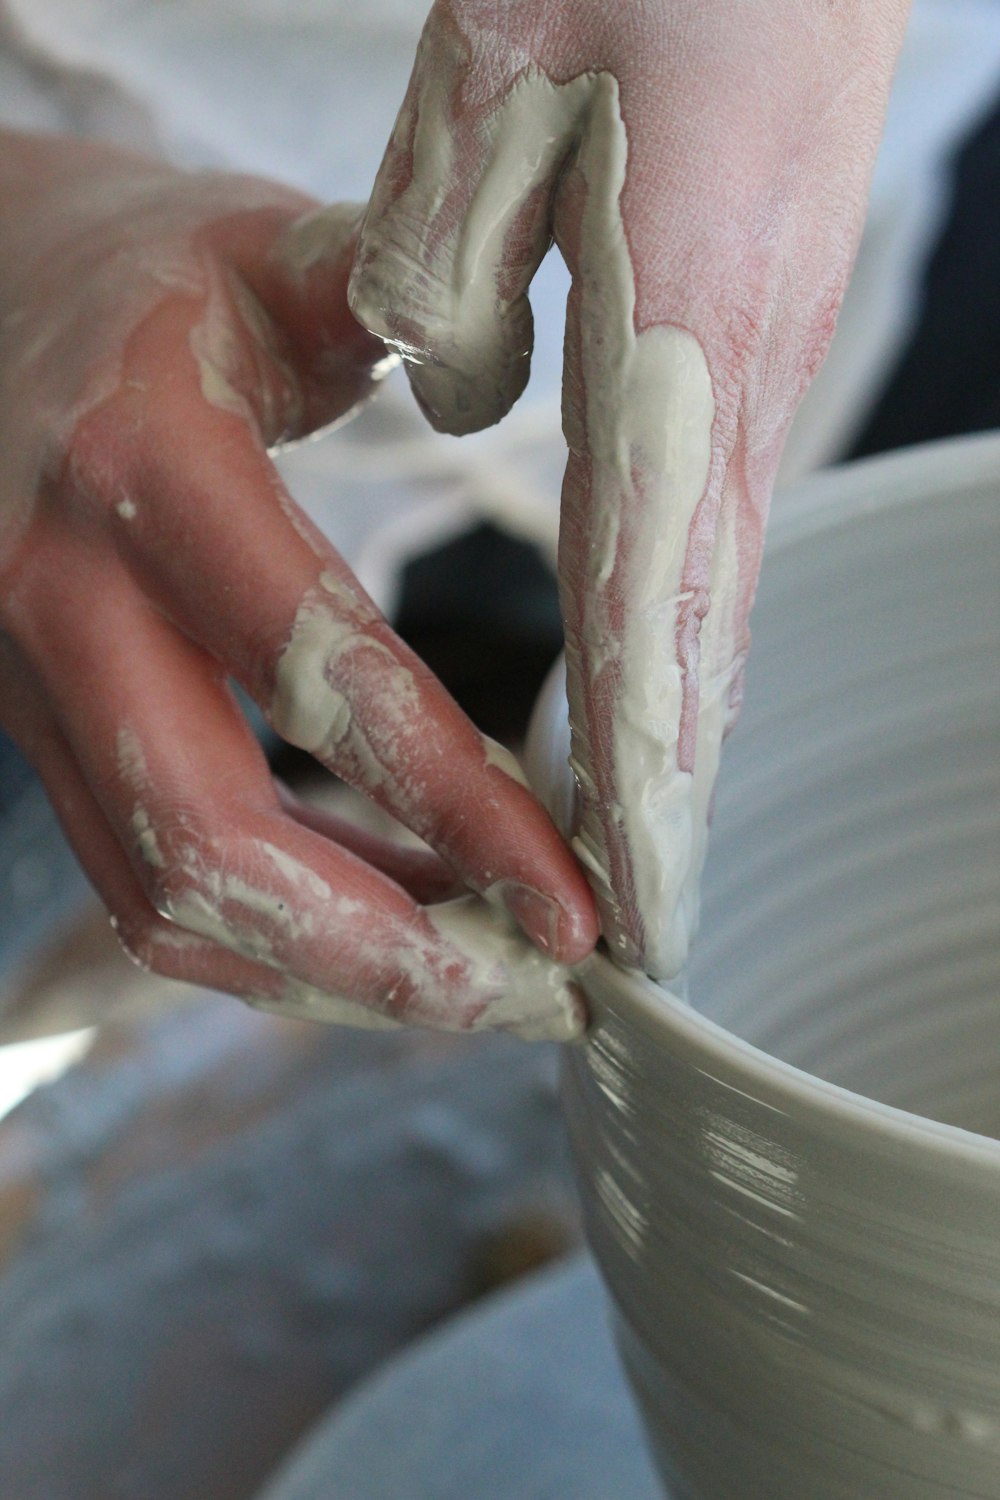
(307, 90)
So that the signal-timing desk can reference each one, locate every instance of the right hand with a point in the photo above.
(158, 331)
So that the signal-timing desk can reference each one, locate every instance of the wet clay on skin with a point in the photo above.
(217, 854)
(645, 429)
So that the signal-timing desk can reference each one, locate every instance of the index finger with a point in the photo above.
(465, 205)
(222, 547)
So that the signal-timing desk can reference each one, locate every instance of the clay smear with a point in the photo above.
(637, 636)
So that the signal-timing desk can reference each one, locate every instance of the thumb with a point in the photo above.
(458, 223)
(299, 278)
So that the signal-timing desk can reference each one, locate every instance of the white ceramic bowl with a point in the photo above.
(792, 1186)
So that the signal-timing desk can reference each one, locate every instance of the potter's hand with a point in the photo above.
(157, 332)
(703, 169)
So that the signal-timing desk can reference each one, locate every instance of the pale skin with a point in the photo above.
(158, 332)
(148, 550)
(751, 131)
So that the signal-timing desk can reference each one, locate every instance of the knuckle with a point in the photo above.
(175, 858)
(88, 466)
(177, 877)
(162, 858)
(155, 946)
(746, 328)
(136, 936)
(169, 892)
(212, 890)
(306, 710)
(334, 639)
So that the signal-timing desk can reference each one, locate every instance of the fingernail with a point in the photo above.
(538, 916)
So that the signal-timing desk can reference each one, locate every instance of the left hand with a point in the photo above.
(703, 167)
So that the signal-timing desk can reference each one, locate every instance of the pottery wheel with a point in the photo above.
(521, 1399)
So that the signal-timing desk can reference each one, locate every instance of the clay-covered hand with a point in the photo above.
(703, 168)
(158, 332)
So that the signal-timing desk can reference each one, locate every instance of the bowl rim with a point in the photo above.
(833, 498)
(768, 1080)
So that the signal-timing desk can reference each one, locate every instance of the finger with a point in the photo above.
(644, 559)
(678, 391)
(639, 526)
(149, 939)
(152, 941)
(458, 222)
(264, 328)
(277, 605)
(184, 786)
(291, 299)
(639, 517)
(421, 872)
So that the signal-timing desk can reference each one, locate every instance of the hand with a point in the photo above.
(158, 332)
(703, 169)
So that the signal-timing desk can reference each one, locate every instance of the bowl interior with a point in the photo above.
(851, 900)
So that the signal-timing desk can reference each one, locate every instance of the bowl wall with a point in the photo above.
(791, 1184)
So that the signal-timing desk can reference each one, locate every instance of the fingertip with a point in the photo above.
(538, 916)
(565, 931)
(579, 929)
(550, 900)
(459, 403)
(468, 362)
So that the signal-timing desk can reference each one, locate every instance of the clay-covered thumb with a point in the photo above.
(458, 223)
